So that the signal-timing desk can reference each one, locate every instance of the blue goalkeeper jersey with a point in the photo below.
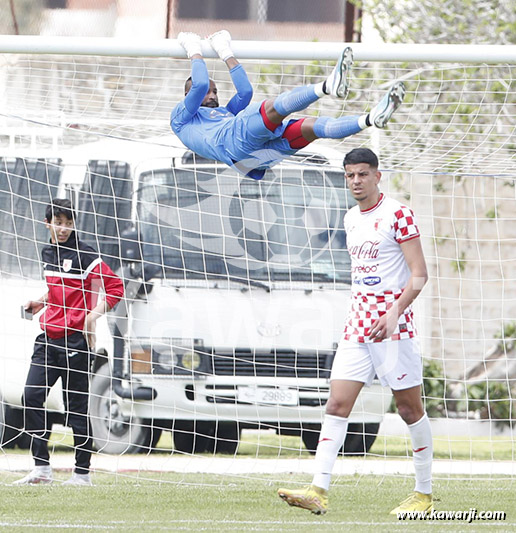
(235, 134)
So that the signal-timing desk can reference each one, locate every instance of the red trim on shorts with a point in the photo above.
(294, 136)
(266, 120)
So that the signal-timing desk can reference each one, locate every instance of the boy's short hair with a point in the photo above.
(361, 155)
(59, 206)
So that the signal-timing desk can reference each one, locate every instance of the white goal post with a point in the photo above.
(236, 290)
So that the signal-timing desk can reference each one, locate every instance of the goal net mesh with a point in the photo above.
(241, 255)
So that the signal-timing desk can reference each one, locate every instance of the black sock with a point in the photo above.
(324, 88)
(368, 121)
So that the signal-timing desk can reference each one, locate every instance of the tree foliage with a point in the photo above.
(450, 22)
(28, 15)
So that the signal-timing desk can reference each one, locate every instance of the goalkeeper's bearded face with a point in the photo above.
(211, 99)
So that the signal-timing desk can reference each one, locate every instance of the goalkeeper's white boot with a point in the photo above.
(78, 480)
(39, 475)
(337, 83)
(191, 42)
(384, 109)
(221, 44)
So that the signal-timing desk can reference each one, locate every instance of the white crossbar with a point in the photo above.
(280, 50)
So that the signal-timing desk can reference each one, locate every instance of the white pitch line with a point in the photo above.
(245, 465)
(166, 524)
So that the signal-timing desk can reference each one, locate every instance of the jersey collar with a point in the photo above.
(380, 200)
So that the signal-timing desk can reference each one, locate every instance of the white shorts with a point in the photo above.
(397, 364)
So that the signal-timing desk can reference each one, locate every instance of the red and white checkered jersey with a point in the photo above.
(379, 271)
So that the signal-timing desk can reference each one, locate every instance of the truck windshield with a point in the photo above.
(26, 187)
(214, 224)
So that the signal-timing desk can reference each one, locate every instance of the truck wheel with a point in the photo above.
(225, 440)
(191, 436)
(11, 428)
(114, 432)
(359, 439)
(198, 436)
(310, 436)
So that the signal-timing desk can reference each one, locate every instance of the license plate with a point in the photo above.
(270, 396)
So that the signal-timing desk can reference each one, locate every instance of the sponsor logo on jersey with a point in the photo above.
(216, 113)
(372, 280)
(365, 269)
(367, 250)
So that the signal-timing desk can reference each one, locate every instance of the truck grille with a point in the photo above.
(274, 363)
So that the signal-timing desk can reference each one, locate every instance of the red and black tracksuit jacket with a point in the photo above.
(74, 273)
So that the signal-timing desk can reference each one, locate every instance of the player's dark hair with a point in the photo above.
(361, 155)
(59, 206)
(188, 81)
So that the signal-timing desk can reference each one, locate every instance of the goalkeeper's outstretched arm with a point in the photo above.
(221, 44)
(196, 86)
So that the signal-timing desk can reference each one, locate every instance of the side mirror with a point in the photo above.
(130, 247)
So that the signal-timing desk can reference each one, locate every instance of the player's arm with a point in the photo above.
(413, 253)
(221, 44)
(412, 250)
(191, 42)
(244, 89)
(113, 287)
(35, 306)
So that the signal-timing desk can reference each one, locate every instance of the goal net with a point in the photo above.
(217, 360)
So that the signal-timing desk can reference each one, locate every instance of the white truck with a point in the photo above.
(236, 293)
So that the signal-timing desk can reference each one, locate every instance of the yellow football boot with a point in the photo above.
(311, 498)
(417, 501)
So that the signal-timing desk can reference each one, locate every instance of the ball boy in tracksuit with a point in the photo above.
(74, 273)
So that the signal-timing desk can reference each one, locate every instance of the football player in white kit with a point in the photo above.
(388, 272)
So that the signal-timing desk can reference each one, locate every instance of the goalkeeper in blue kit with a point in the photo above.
(253, 137)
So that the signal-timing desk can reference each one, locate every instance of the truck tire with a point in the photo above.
(191, 436)
(225, 440)
(199, 436)
(114, 432)
(359, 438)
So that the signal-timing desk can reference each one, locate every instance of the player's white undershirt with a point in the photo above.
(379, 272)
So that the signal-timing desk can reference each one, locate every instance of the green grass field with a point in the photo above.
(158, 501)
(180, 503)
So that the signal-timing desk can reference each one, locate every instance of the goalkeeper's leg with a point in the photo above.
(337, 84)
(303, 132)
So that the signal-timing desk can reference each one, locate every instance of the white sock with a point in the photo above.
(331, 439)
(422, 454)
(43, 469)
(362, 121)
(318, 88)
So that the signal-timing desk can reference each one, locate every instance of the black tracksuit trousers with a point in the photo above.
(66, 358)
